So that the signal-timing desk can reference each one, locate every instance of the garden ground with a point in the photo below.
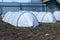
(41, 32)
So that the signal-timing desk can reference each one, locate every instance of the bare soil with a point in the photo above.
(41, 32)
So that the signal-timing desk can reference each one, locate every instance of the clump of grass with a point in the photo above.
(55, 27)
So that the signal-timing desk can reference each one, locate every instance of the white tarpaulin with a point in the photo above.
(21, 19)
(7, 15)
(46, 17)
(57, 15)
(40, 16)
(11, 17)
(35, 13)
(27, 19)
(16, 16)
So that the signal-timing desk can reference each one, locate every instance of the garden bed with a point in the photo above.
(41, 32)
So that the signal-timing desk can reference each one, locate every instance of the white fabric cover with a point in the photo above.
(21, 19)
(57, 15)
(40, 16)
(27, 20)
(46, 17)
(11, 17)
(16, 16)
(7, 15)
(35, 13)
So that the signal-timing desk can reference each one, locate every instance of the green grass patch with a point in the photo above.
(55, 27)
